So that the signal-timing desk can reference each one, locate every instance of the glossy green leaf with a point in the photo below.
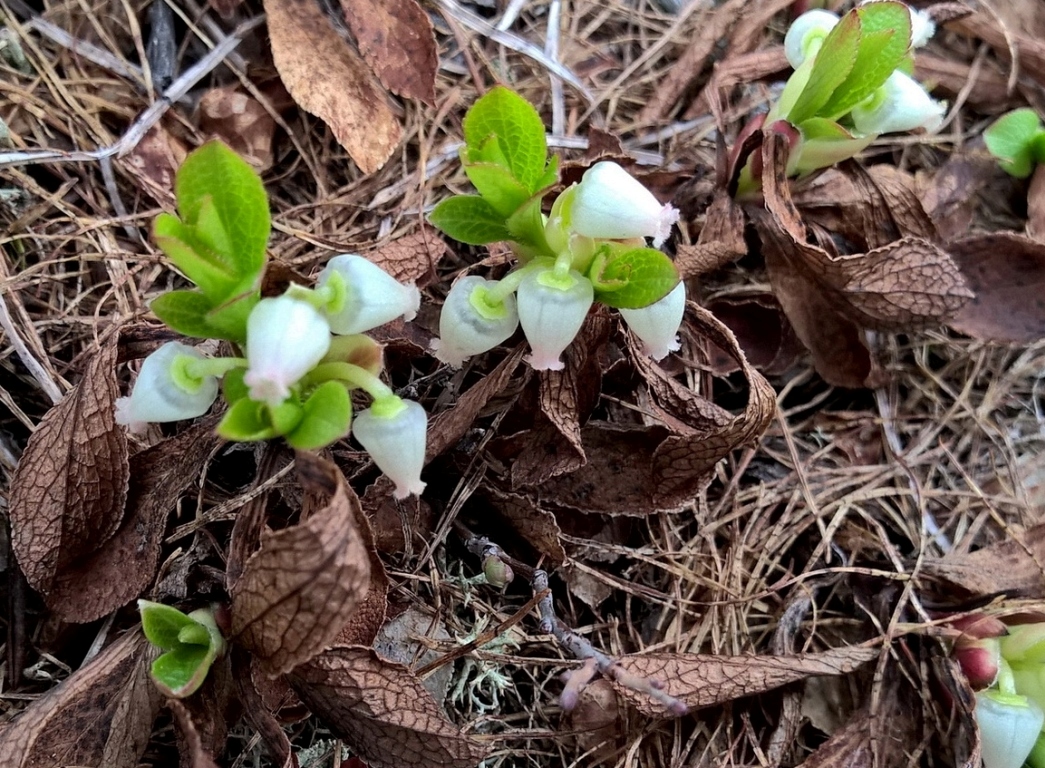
(633, 278)
(193, 257)
(526, 226)
(180, 672)
(162, 624)
(222, 196)
(246, 421)
(1011, 139)
(194, 634)
(326, 419)
(519, 131)
(831, 66)
(233, 388)
(186, 312)
(469, 219)
(551, 174)
(192, 643)
(497, 186)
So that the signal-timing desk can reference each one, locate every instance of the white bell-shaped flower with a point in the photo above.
(166, 390)
(551, 311)
(286, 338)
(658, 324)
(396, 443)
(611, 204)
(367, 296)
(1009, 726)
(899, 105)
(469, 324)
(806, 31)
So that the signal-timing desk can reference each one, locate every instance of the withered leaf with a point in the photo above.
(1006, 271)
(193, 754)
(761, 328)
(703, 680)
(534, 525)
(721, 239)
(70, 487)
(950, 196)
(305, 582)
(126, 564)
(382, 711)
(329, 79)
(260, 718)
(1036, 205)
(1014, 567)
(412, 258)
(241, 121)
(365, 622)
(100, 717)
(397, 40)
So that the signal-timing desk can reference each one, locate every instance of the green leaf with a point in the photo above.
(233, 388)
(194, 634)
(162, 624)
(1011, 139)
(221, 195)
(327, 417)
(526, 226)
(885, 39)
(181, 671)
(469, 219)
(497, 186)
(193, 257)
(831, 66)
(634, 278)
(519, 130)
(186, 312)
(229, 318)
(551, 174)
(246, 421)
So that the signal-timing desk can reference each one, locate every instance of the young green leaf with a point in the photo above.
(221, 195)
(1011, 139)
(198, 262)
(497, 186)
(831, 66)
(824, 143)
(526, 226)
(186, 312)
(233, 388)
(469, 219)
(519, 130)
(634, 278)
(246, 421)
(162, 623)
(192, 643)
(326, 419)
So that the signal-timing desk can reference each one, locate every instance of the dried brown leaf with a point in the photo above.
(950, 196)
(721, 239)
(1036, 205)
(1014, 567)
(382, 710)
(330, 80)
(412, 258)
(704, 680)
(533, 524)
(153, 162)
(70, 488)
(397, 40)
(762, 330)
(305, 582)
(126, 564)
(193, 753)
(241, 121)
(1006, 272)
(100, 717)
(255, 713)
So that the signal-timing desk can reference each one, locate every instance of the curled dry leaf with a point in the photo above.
(951, 195)
(255, 713)
(703, 680)
(126, 564)
(1014, 567)
(70, 488)
(1007, 273)
(721, 239)
(396, 39)
(99, 717)
(762, 331)
(412, 258)
(305, 582)
(1036, 205)
(329, 79)
(382, 710)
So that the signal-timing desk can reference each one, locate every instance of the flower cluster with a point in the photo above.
(302, 352)
(1007, 666)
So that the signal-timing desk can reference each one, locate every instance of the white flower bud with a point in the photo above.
(165, 391)
(658, 324)
(611, 204)
(1009, 726)
(551, 311)
(899, 105)
(286, 338)
(922, 27)
(396, 443)
(469, 325)
(809, 28)
(371, 297)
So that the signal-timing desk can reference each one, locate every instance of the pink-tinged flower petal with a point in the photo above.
(611, 204)
(396, 444)
(286, 338)
(658, 324)
(372, 296)
(980, 660)
(159, 396)
(551, 314)
(468, 325)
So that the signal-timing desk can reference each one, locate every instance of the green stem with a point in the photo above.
(353, 375)
(510, 283)
(319, 298)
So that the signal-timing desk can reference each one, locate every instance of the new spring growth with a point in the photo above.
(1017, 139)
(592, 247)
(296, 356)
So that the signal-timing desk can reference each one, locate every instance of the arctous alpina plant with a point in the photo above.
(590, 248)
(296, 356)
(851, 84)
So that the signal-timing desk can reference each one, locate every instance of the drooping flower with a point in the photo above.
(365, 296)
(1009, 726)
(286, 337)
(611, 204)
(166, 389)
(658, 324)
(922, 27)
(899, 105)
(551, 311)
(394, 437)
(806, 33)
(469, 324)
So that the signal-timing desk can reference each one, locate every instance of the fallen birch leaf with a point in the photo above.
(412, 258)
(382, 710)
(330, 80)
(70, 488)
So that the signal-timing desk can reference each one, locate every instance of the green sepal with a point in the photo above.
(824, 143)
(246, 421)
(497, 186)
(831, 66)
(469, 219)
(326, 418)
(633, 278)
(519, 131)
(1012, 139)
(526, 226)
(233, 388)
